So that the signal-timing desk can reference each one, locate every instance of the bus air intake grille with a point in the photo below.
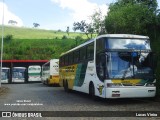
(129, 84)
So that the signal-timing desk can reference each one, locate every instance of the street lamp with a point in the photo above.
(2, 42)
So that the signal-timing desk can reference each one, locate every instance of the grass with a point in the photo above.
(37, 48)
(35, 33)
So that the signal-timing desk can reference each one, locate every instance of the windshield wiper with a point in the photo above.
(124, 74)
(126, 71)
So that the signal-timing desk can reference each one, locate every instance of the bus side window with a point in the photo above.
(90, 51)
(70, 58)
(82, 53)
(76, 56)
(66, 59)
(62, 61)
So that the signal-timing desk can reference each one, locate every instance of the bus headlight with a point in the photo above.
(150, 85)
(114, 85)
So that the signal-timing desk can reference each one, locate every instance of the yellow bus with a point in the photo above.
(50, 72)
(110, 66)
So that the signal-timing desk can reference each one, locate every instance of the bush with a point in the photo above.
(59, 30)
(79, 38)
(8, 38)
(64, 37)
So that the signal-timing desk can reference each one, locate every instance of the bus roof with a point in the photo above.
(34, 66)
(130, 36)
(19, 67)
(5, 67)
(24, 61)
(89, 41)
(124, 36)
(50, 61)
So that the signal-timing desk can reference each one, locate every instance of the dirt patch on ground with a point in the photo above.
(3, 90)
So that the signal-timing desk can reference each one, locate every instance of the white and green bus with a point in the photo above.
(5, 75)
(34, 73)
(110, 66)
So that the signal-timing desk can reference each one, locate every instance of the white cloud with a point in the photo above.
(8, 15)
(81, 9)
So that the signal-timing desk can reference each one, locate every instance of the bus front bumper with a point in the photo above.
(4, 81)
(18, 80)
(131, 92)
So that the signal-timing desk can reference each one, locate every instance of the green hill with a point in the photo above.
(31, 43)
(35, 33)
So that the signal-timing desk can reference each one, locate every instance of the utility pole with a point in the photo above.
(2, 43)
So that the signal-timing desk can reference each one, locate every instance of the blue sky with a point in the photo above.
(51, 14)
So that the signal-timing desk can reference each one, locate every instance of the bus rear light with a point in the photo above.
(114, 84)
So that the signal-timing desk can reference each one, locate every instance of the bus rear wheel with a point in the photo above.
(47, 82)
(66, 89)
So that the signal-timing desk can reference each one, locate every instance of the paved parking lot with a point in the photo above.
(39, 97)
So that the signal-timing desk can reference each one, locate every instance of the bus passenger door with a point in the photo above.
(101, 74)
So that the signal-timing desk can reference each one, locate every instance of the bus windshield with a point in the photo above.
(18, 73)
(129, 65)
(140, 44)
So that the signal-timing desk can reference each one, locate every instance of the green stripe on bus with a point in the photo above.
(80, 74)
(33, 74)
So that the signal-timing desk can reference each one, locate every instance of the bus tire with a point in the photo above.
(47, 83)
(92, 91)
(64, 83)
(43, 82)
(66, 89)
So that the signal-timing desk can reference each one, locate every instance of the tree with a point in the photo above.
(8, 38)
(131, 16)
(84, 27)
(12, 22)
(36, 25)
(98, 22)
(67, 30)
(151, 4)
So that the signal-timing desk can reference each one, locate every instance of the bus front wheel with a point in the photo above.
(92, 92)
